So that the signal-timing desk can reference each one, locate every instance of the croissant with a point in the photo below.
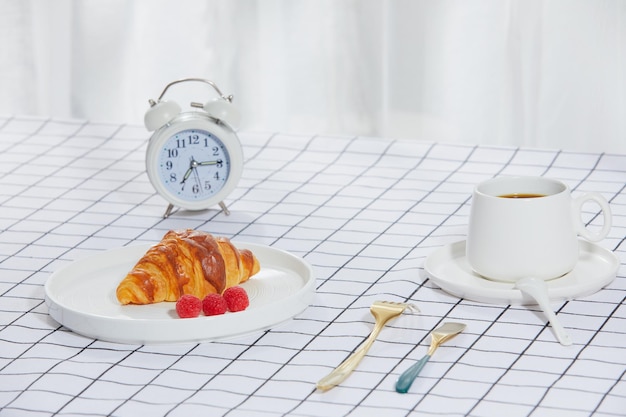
(186, 262)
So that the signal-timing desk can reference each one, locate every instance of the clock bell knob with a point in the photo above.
(160, 114)
(224, 111)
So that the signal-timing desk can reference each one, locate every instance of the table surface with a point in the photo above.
(365, 213)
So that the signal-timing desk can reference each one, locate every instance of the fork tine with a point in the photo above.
(401, 306)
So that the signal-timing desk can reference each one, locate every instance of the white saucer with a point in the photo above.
(448, 268)
(81, 296)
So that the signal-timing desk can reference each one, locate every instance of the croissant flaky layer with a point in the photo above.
(186, 262)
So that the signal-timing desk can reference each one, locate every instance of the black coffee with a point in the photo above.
(521, 195)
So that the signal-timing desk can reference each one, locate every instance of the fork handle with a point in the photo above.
(408, 376)
(342, 371)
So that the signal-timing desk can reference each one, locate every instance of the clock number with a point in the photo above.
(172, 153)
(219, 163)
(169, 165)
(207, 185)
(216, 151)
(173, 177)
(195, 189)
(194, 139)
(217, 176)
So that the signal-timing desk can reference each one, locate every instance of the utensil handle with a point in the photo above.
(342, 371)
(408, 376)
(561, 334)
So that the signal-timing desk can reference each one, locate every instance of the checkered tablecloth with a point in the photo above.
(365, 213)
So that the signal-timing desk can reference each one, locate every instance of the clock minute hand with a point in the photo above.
(204, 163)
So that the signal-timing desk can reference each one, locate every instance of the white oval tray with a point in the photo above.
(448, 268)
(81, 297)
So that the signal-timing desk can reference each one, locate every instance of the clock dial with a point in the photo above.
(193, 164)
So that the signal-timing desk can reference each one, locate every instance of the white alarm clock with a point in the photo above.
(194, 158)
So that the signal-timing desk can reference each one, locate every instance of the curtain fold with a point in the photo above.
(502, 72)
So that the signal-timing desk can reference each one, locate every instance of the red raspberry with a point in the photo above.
(188, 306)
(214, 304)
(236, 298)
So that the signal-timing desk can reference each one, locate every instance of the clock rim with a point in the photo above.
(197, 121)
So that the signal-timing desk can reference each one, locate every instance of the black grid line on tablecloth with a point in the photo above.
(365, 212)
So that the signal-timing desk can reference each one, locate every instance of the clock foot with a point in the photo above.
(168, 211)
(224, 208)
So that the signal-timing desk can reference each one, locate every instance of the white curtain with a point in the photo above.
(503, 72)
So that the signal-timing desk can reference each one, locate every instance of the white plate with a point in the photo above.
(81, 296)
(448, 268)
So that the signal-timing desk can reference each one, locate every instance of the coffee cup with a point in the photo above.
(528, 227)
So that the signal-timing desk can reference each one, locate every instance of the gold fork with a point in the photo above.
(383, 311)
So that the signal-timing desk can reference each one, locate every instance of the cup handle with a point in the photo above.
(606, 213)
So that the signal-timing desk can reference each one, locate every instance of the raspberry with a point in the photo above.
(236, 298)
(214, 304)
(188, 306)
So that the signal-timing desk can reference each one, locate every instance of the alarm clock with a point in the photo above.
(194, 158)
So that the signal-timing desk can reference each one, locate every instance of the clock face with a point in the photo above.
(193, 164)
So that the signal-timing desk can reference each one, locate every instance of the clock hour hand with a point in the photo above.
(192, 165)
(187, 174)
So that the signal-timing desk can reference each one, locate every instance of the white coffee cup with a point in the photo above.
(532, 235)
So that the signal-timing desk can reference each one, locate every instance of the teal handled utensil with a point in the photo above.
(440, 335)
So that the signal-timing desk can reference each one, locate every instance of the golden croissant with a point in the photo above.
(186, 262)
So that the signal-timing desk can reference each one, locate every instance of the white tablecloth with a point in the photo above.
(365, 213)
